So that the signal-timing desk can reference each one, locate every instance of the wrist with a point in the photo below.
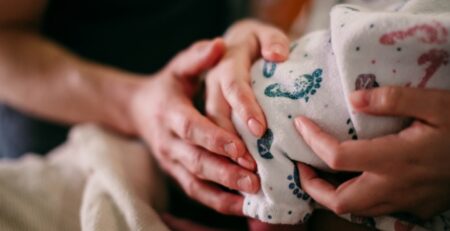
(114, 90)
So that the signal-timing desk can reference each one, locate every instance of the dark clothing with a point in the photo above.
(136, 35)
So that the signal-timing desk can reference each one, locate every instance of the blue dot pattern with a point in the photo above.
(295, 187)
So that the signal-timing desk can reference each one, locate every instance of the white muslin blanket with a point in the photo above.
(96, 181)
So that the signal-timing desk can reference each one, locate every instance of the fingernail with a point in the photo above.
(255, 127)
(245, 184)
(277, 49)
(299, 125)
(360, 99)
(231, 149)
(247, 162)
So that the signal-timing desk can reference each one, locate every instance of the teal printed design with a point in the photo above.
(294, 185)
(269, 69)
(304, 87)
(264, 144)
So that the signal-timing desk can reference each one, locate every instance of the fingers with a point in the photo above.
(357, 194)
(240, 97)
(198, 58)
(208, 166)
(424, 104)
(186, 122)
(274, 43)
(217, 108)
(348, 155)
(221, 201)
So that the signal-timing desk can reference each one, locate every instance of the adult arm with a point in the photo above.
(39, 77)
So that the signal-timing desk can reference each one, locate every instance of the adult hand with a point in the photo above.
(228, 84)
(407, 172)
(186, 144)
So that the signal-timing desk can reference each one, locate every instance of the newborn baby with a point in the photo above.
(362, 50)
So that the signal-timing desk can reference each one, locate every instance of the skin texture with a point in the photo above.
(41, 78)
(51, 82)
(407, 171)
(228, 84)
(187, 145)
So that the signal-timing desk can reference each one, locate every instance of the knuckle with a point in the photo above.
(191, 188)
(388, 98)
(338, 207)
(231, 87)
(228, 179)
(159, 113)
(159, 149)
(222, 206)
(186, 126)
(163, 150)
(335, 160)
(224, 203)
(238, 98)
(277, 36)
(214, 140)
(196, 163)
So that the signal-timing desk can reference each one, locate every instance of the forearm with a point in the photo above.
(40, 78)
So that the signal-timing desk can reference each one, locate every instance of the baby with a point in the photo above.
(362, 50)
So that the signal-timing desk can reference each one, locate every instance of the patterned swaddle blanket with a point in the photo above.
(363, 49)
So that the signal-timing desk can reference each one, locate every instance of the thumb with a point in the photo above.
(273, 42)
(198, 58)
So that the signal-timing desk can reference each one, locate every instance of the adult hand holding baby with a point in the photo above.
(228, 88)
(187, 145)
(407, 172)
(228, 84)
